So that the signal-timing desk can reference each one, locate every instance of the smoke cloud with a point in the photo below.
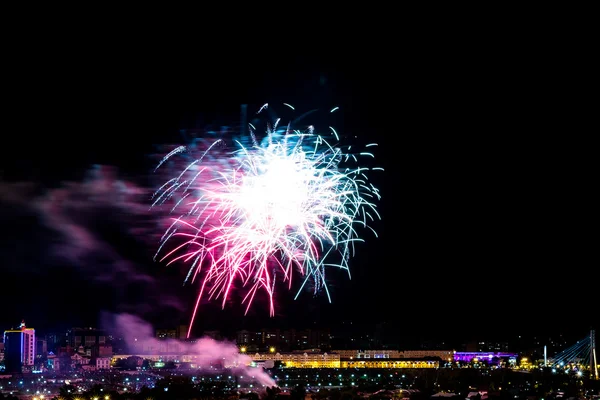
(104, 229)
(99, 232)
(206, 353)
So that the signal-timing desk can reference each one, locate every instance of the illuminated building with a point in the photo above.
(249, 340)
(54, 362)
(389, 363)
(103, 363)
(367, 353)
(157, 347)
(300, 360)
(525, 363)
(490, 357)
(19, 348)
(195, 360)
(444, 355)
(297, 360)
(333, 360)
(78, 359)
(180, 332)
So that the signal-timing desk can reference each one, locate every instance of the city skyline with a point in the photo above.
(481, 233)
(128, 333)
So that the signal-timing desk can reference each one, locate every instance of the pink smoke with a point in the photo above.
(68, 233)
(66, 208)
(207, 352)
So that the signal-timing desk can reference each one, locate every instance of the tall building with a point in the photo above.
(41, 348)
(86, 337)
(19, 348)
(284, 340)
(54, 341)
(180, 332)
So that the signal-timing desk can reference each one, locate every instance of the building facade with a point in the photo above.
(444, 355)
(481, 356)
(103, 363)
(86, 337)
(284, 340)
(180, 332)
(19, 348)
(389, 363)
(300, 360)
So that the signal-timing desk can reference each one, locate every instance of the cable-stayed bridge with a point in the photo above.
(579, 357)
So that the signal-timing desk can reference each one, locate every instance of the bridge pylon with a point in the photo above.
(593, 360)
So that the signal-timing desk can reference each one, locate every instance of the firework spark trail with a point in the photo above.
(268, 212)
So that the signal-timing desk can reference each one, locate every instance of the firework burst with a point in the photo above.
(272, 211)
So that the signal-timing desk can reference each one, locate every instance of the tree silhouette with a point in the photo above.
(271, 393)
(298, 393)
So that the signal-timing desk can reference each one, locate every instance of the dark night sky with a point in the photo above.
(486, 223)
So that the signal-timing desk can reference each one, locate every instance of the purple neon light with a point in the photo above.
(481, 355)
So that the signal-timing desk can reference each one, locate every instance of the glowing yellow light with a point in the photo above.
(243, 349)
(272, 349)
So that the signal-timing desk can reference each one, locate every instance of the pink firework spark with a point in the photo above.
(266, 212)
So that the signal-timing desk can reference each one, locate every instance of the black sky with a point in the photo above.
(486, 199)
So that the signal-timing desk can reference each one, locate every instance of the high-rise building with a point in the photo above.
(54, 341)
(180, 332)
(41, 348)
(86, 337)
(19, 348)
